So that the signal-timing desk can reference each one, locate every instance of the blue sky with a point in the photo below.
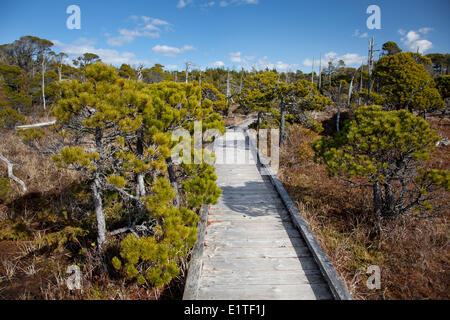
(283, 34)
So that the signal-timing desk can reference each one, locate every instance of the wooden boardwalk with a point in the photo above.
(251, 250)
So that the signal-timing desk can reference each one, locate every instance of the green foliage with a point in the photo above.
(405, 83)
(86, 60)
(31, 134)
(77, 157)
(201, 188)
(266, 92)
(9, 118)
(443, 85)
(440, 62)
(381, 147)
(437, 177)
(14, 230)
(4, 188)
(57, 240)
(374, 98)
(391, 48)
(155, 259)
(15, 87)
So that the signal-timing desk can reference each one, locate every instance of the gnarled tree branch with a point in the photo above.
(11, 173)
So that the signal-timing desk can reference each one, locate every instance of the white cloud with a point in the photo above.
(357, 34)
(279, 65)
(171, 67)
(425, 30)
(183, 3)
(413, 41)
(146, 27)
(350, 59)
(218, 64)
(236, 57)
(237, 2)
(171, 51)
(108, 56)
(401, 32)
(208, 4)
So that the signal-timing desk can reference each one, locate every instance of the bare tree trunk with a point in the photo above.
(97, 195)
(338, 117)
(360, 87)
(240, 85)
(99, 214)
(228, 88)
(11, 173)
(257, 128)
(173, 181)
(350, 91)
(283, 122)
(320, 72)
(376, 199)
(43, 83)
(37, 125)
(140, 184)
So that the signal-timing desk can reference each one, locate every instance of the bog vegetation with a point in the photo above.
(95, 184)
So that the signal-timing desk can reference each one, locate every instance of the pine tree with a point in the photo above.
(119, 131)
(406, 84)
(267, 93)
(386, 149)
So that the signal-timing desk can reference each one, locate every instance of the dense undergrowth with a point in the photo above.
(411, 250)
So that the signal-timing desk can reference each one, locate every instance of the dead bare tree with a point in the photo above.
(11, 175)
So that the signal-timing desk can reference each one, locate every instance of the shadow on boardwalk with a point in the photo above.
(254, 215)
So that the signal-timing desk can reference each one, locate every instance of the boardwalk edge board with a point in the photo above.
(337, 286)
(195, 265)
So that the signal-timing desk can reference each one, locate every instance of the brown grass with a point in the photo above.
(412, 252)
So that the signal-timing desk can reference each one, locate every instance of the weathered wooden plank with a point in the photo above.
(247, 211)
(335, 283)
(254, 234)
(243, 226)
(248, 224)
(251, 249)
(255, 243)
(249, 253)
(195, 265)
(247, 207)
(267, 203)
(249, 197)
(273, 278)
(265, 292)
(267, 264)
(239, 216)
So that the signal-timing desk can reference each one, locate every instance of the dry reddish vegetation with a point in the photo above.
(412, 252)
(28, 270)
(233, 117)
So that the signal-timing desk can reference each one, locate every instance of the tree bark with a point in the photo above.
(37, 125)
(338, 117)
(97, 194)
(376, 199)
(43, 84)
(173, 181)
(140, 184)
(99, 214)
(11, 173)
(283, 122)
(257, 128)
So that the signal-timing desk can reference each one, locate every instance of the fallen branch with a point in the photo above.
(11, 173)
(37, 125)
